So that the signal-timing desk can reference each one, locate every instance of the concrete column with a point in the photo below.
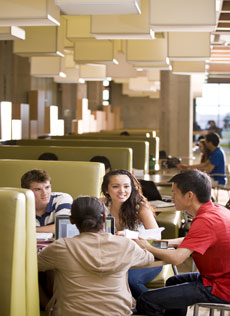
(176, 116)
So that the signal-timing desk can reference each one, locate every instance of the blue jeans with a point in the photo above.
(139, 277)
(181, 291)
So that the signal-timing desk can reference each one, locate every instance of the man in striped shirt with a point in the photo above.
(48, 204)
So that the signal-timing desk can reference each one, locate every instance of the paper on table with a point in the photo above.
(161, 204)
(44, 236)
(145, 233)
(138, 172)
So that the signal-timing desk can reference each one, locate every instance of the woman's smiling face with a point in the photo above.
(119, 188)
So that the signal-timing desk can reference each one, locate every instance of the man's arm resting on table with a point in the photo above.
(46, 229)
(175, 257)
(209, 167)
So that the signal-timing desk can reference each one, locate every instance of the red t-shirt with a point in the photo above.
(209, 238)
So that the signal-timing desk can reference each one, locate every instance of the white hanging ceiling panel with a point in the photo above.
(189, 46)
(92, 7)
(40, 41)
(92, 72)
(123, 26)
(122, 70)
(188, 67)
(46, 66)
(11, 33)
(29, 13)
(93, 51)
(183, 15)
(147, 51)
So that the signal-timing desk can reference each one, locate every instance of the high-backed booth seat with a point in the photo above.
(161, 278)
(12, 247)
(31, 269)
(154, 142)
(140, 148)
(18, 265)
(73, 177)
(120, 158)
(171, 221)
(132, 131)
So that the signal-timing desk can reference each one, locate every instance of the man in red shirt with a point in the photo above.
(208, 241)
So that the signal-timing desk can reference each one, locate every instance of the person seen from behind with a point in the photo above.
(91, 268)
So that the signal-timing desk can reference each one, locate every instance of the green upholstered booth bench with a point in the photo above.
(120, 158)
(140, 148)
(154, 142)
(161, 278)
(18, 272)
(171, 221)
(73, 177)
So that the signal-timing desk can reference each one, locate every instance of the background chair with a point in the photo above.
(212, 306)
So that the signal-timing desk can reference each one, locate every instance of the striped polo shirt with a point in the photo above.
(59, 204)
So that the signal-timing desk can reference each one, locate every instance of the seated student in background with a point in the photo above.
(215, 163)
(103, 160)
(131, 210)
(47, 204)
(91, 268)
(48, 156)
(205, 154)
(208, 241)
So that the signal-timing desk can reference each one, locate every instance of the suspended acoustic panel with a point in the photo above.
(70, 69)
(93, 51)
(68, 45)
(122, 69)
(78, 27)
(188, 67)
(121, 80)
(142, 84)
(92, 72)
(11, 33)
(132, 93)
(68, 61)
(123, 26)
(72, 76)
(147, 51)
(183, 15)
(153, 74)
(88, 7)
(41, 41)
(29, 13)
(48, 67)
(162, 66)
(189, 45)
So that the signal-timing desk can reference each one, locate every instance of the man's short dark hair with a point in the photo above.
(103, 160)
(34, 175)
(195, 181)
(214, 138)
